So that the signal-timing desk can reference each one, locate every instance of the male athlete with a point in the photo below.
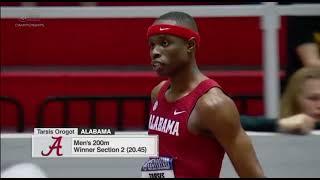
(195, 120)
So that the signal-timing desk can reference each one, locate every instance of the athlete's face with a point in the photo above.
(309, 100)
(168, 53)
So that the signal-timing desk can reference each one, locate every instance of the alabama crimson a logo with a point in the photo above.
(55, 146)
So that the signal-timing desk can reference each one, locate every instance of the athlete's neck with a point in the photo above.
(186, 80)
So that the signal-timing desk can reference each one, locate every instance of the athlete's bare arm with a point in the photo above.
(218, 114)
(309, 54)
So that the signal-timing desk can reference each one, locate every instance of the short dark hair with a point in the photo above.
(181, 18)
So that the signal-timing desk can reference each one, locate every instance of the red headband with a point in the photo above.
(173, 30)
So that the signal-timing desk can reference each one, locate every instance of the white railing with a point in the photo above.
(269, 12)
(130, 11)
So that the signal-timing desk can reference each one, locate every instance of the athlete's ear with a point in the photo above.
(191, 44)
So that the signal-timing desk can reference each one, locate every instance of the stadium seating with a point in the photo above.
(10, 3)
(31, 89)
(59, 56)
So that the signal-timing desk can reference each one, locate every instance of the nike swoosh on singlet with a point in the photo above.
(178, 112)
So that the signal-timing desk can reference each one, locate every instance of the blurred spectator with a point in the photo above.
(299, 109)
(303, 44)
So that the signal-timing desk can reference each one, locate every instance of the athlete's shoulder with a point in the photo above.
(214, 99)
(155, 91)
(215, 107)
